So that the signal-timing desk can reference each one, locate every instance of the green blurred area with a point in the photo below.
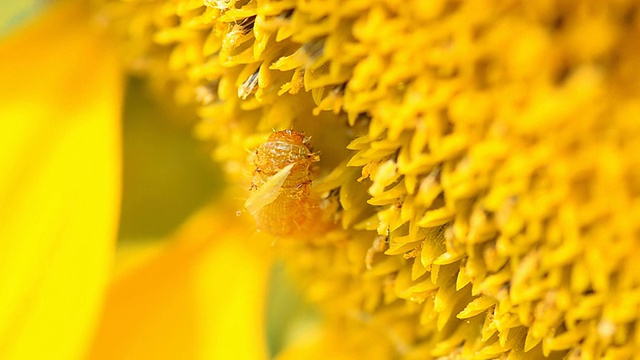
(289, 317)
(167, 173)
(13, 13)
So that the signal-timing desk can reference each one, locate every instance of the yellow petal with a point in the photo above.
(201, 297)
(337, 342)
(59, 183)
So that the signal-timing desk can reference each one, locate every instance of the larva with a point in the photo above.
(281, 200)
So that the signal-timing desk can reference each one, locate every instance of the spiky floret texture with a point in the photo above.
(491, 206)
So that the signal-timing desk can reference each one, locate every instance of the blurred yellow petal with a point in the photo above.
(59, 183)
(318, 346)
(337, 341)
(201, 297)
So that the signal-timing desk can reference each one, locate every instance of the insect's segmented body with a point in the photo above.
(294, 210)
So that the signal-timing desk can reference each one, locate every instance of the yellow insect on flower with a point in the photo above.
(281, 200)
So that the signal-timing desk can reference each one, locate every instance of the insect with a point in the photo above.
(281, 199)
(249, 86)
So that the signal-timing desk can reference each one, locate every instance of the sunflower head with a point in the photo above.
(480, 158)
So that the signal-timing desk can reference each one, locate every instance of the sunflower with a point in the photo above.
(476, 162)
